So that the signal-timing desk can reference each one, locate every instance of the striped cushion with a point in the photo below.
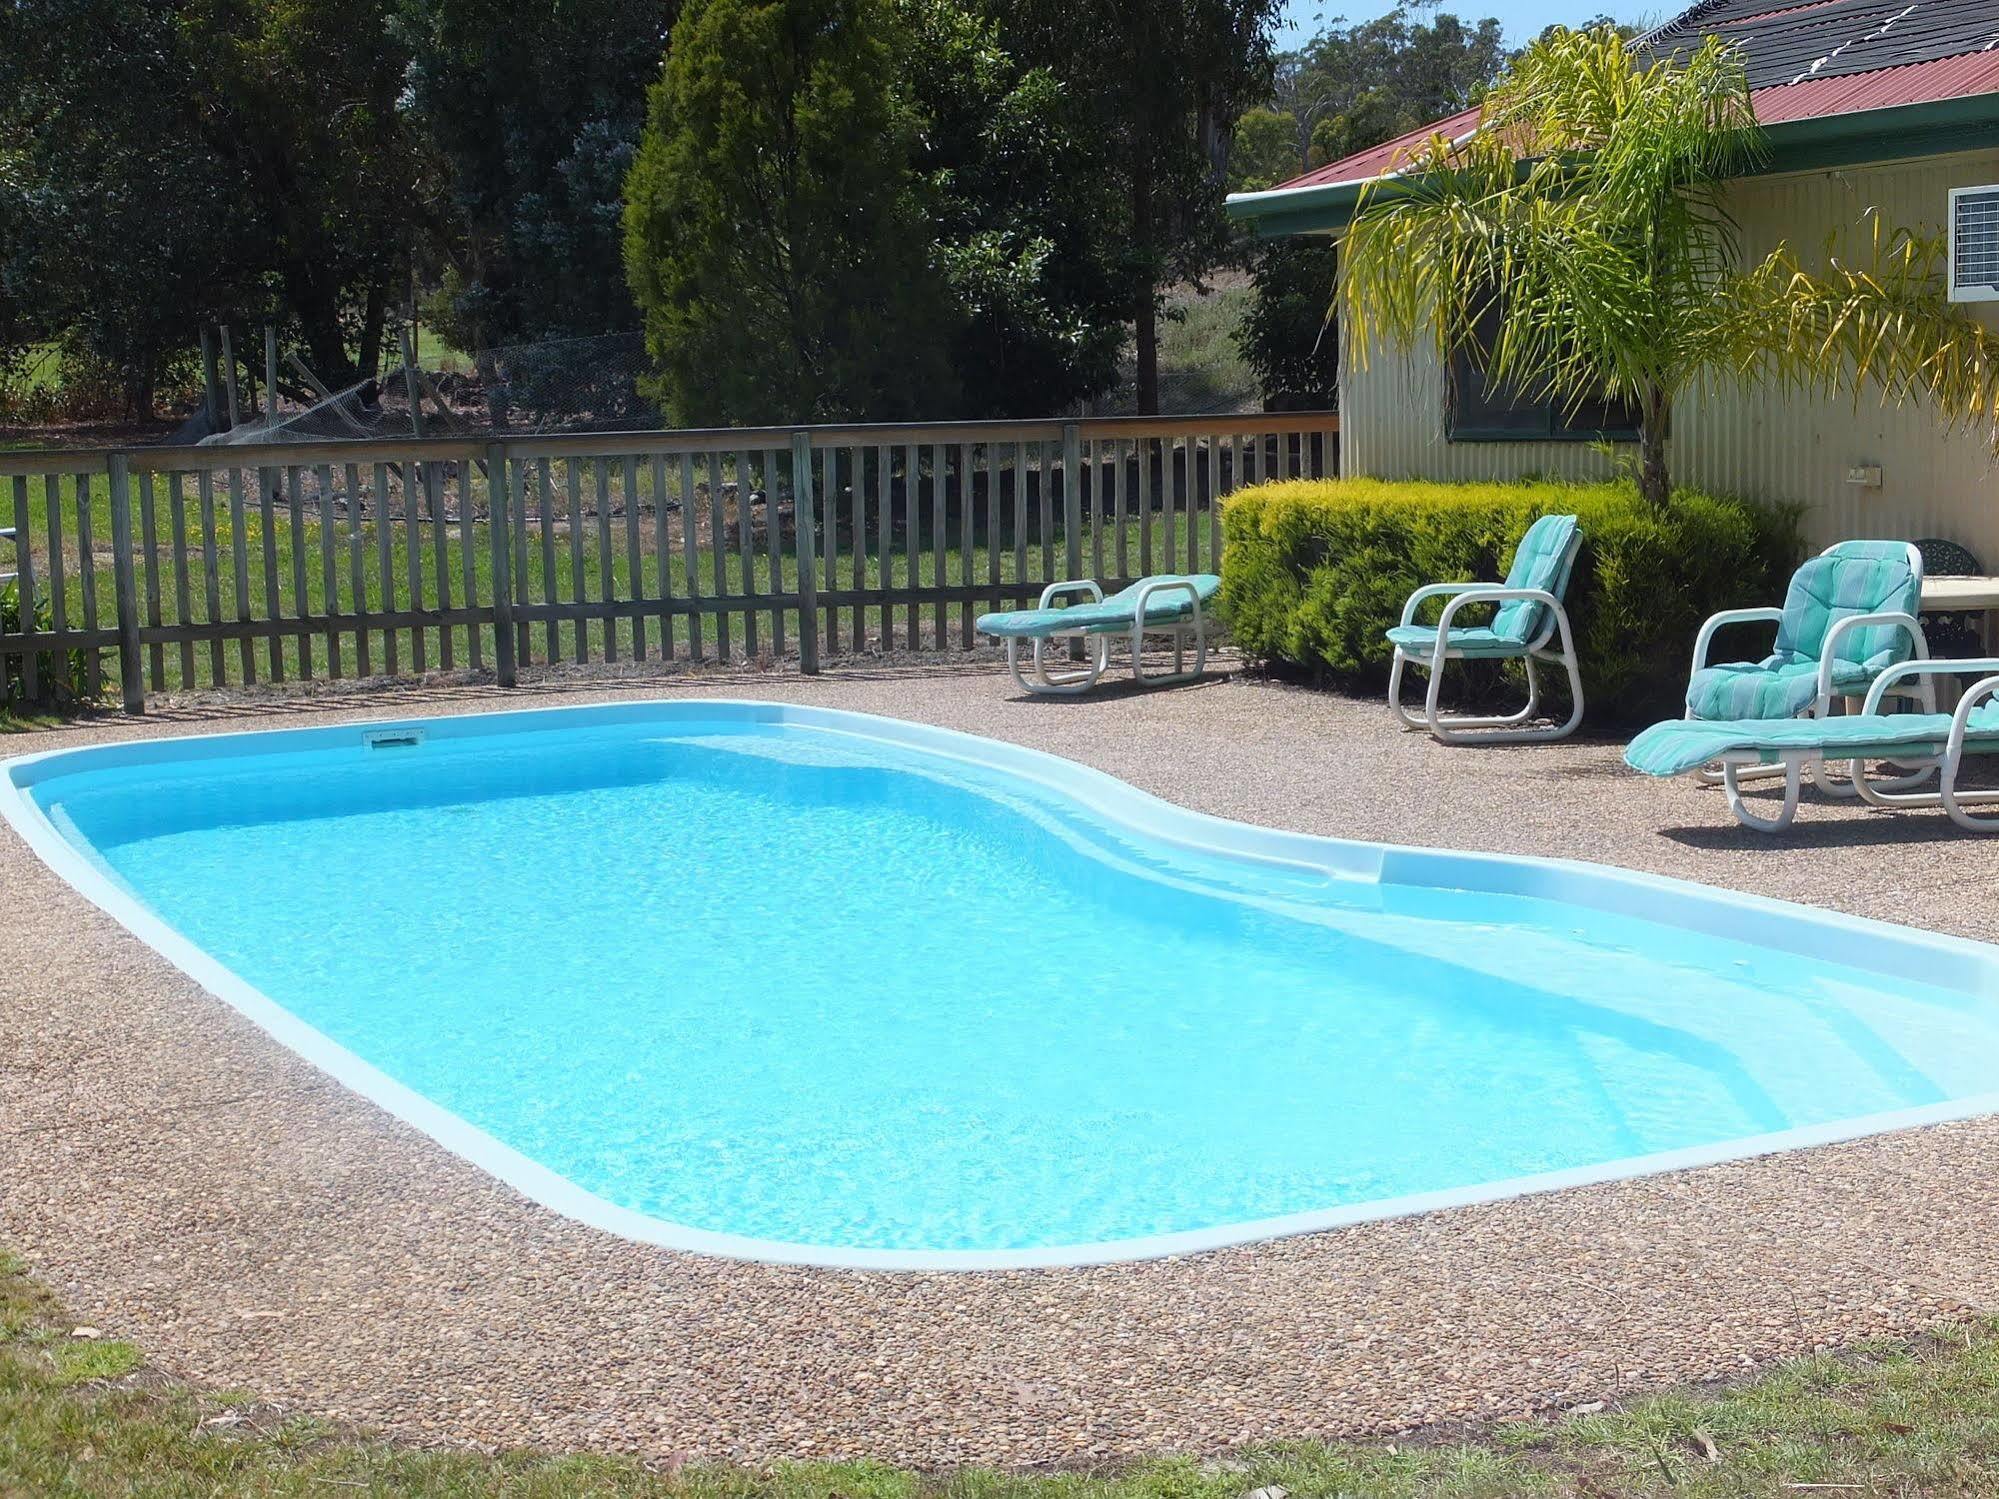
(1855, 577)
(1542, 560)
(1112, 616)
(1680, 745)
(1779, 686)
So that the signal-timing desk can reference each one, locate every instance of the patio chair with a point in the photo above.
(1164, 604)
(1849, 615)
(1793, 746)
(1526, 625)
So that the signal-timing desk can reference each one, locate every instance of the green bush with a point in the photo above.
(1314, 571)
(62, 677)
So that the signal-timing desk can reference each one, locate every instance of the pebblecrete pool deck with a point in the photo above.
(181, 1180)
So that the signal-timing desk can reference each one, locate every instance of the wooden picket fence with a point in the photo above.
(177, 569)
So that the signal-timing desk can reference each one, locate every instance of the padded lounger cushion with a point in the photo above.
(1114, 616)
(1680, 745)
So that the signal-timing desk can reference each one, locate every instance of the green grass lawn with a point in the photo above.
(87, 1416)
(1201, 367)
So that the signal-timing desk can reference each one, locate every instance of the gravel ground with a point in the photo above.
(181, 1180)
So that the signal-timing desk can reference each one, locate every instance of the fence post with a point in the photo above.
(805, 536)
(124, 584)
(1072, 512)
(498, 497)
(1072, 498)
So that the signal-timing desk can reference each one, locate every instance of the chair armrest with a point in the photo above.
(1713, 622)
(1432, 591)
(1829, 652)
(1960, 718)
(1165, 585)
(1073, 585)
(1925, 667)
(1485, 593)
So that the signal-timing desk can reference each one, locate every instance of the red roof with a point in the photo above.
(1957, 77)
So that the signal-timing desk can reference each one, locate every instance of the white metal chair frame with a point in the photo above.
(1098, 641)
(1892, 793)
(1464, 729)
(1924, 693)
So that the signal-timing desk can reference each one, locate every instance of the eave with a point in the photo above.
(1898, 133)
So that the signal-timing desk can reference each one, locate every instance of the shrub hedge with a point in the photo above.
(1313, 571)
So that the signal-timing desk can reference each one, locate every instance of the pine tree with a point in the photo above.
(775, 235)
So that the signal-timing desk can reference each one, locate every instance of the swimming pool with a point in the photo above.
(805, 985)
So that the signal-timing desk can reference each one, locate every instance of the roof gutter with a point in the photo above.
(1321, 208)
(1896, 133)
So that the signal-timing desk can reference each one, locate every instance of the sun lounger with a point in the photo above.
(1165, 604)
(1936, 742)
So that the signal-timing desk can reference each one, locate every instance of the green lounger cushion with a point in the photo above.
(1477, 641)
(1856, 577)
(1680, 745)
(1113, 616)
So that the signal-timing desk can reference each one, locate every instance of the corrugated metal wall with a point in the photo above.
(1764, 442)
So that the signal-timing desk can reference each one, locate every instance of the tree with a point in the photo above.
(302, 106)
(1352, 87)
(1265, 152)
(1023, 218)
(92, 252)
(1286, 335)
(1587, 212)
(775, 237)
(207, 159)
(535, 113)
(1164, 82)
(1349, 88)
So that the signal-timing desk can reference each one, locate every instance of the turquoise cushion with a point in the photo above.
(1855, 577)
(1680, 744)
(1778, 686)
(1542, 560)
(1479, 641)
(1113, 616)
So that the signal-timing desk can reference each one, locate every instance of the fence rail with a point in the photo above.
(172, 569)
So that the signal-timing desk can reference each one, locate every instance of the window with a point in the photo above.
(1481, 410)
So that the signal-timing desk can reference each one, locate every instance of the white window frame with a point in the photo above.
(1967, 293)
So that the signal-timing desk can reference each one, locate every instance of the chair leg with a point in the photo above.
(1954, 801)
(1464, 731)
(1395, 704)
(1749, 819)
(1067, 684)
(1179, 673)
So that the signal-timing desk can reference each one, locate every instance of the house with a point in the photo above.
(1867, 104)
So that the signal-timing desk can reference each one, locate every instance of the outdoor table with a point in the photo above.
(1965, 595)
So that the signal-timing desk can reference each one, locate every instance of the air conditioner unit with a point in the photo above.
(1974, 244)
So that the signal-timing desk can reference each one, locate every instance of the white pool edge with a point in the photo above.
(1949, 962)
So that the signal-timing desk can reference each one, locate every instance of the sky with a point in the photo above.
(1521, 18)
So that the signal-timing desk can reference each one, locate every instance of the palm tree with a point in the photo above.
(1592, 193)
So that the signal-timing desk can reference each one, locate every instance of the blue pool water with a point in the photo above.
(797, 984)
